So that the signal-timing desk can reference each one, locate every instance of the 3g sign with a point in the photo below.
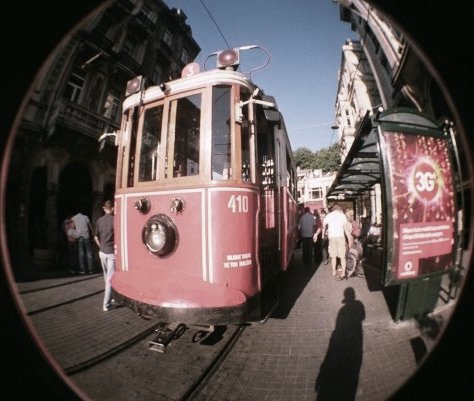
(426, 180)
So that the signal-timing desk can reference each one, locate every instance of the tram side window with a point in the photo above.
(132, 146)
(221, 139)
(290, 175)
(245, 140)
(150, 144)
(187, 136)
(266, 150)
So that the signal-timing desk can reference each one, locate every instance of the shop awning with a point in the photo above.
(360, 170)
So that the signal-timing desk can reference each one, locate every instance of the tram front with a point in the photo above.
(187, 201)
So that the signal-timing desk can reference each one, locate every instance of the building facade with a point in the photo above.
(313, 186)
(57, 168)
(379, 70)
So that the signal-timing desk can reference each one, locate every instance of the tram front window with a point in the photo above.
(150, 144)
(187, 136)
(221, 140)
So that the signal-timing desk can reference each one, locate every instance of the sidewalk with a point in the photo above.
(321, 344)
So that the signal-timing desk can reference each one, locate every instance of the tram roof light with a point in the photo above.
(228, 58)
(165, 88)
(134, 85)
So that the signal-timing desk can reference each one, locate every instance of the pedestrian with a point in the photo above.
(365, 227)
(317, 238)
(70, 233)
(84, 248)
(336, 225)
(104, 238)
(354, 224)
(307, 230)
(300, 214)
(324, 238)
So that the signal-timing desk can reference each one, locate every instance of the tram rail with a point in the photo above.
(207, 374)
(68, 317)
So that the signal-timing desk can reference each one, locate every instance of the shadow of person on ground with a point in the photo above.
(339, 373)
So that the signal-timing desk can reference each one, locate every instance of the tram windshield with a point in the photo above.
(165, 140)
(151, 144)
(169, 144)
(221, 139)
(184, 136)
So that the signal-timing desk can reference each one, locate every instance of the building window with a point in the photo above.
(75, 85)
(157, 74)
(184, 56)
(385, 64)
(348, 118)
(316, 193)
(129, 47)
(112, 107)
(168, 38)
(95, 95)
(149, 13)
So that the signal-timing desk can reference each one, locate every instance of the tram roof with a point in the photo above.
(199, 80)
(360, 170)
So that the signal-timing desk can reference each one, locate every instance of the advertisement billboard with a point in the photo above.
(420, 190)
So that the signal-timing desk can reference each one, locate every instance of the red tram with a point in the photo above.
(205, 202)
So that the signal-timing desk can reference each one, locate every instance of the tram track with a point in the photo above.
(207, 374)
(67, 315)
(38, 297)
(178, 374)
(57, 305)
(32, 287)
(96, 359)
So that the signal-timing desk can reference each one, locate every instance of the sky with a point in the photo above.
(304, 39)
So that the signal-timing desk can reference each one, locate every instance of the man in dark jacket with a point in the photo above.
(307, 230)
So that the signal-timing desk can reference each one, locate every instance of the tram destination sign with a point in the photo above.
(421, 217)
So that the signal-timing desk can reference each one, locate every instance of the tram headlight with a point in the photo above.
(134, 85)
(229, 58)
(160, 235)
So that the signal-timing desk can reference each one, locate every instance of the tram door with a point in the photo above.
(269, 221)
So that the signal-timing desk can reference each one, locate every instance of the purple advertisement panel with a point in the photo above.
(423, 204)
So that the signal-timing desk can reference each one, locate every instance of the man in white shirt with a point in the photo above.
(335, 223)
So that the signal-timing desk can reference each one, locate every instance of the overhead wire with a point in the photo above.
(215, 23)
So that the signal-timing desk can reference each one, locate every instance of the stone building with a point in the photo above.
(56, 166)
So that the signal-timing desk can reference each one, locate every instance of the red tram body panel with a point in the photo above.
(205, 209)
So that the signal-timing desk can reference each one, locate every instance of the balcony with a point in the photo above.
(129, 62)
(77, 118)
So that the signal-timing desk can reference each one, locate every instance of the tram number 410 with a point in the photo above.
(238, 203)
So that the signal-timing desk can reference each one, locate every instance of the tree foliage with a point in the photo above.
(326, 159)
(304, 158)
